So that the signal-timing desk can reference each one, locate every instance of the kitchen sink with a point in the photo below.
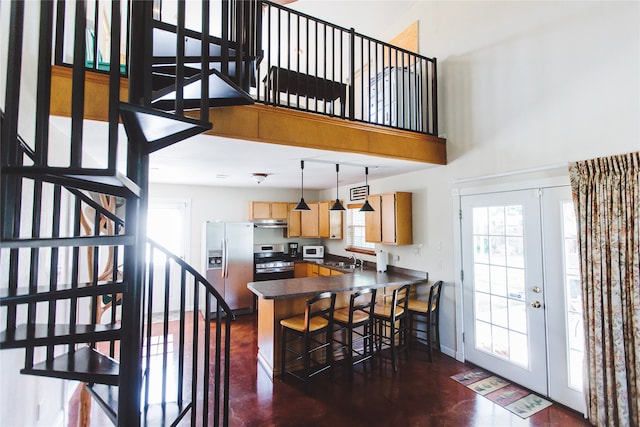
(340, 264)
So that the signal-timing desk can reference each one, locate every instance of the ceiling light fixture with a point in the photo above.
(302, 205)
(337, 206)
(259, 177)
(366, 207)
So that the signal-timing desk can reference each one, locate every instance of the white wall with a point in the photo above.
(24, 399)
(226, 204)
(522, 85)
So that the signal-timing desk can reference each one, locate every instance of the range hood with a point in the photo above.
(270, 223)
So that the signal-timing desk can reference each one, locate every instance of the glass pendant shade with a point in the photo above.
(366, 207)
(337, 206)
(302, 205)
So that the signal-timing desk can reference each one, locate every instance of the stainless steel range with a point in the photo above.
(271, 262)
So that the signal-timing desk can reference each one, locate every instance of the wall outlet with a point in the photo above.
(396, 257)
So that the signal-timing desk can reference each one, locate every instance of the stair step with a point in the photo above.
(164, 43)
(158, 128)
(60, 334)
(158, 414)
(43, 293)
(222, 92)
(107, 398)
(104, 181)
(85, 364)
(167, 414)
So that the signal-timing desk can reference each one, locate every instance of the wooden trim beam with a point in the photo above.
(283, 126)
(268, 124)
(96, 101)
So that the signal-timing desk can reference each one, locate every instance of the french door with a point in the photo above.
(522, 316)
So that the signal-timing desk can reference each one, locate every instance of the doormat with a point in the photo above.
(510, 396)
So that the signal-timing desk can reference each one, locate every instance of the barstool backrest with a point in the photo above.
(321, 305)
(360, 302)
(434, 297)
(434, 300)
(400, 299)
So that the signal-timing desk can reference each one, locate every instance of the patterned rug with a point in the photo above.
(516, 399)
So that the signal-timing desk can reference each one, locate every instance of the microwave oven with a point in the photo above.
(313, 252)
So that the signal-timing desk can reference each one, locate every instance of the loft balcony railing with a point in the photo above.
(301, 62)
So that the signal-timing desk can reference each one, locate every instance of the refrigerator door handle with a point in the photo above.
(223, 270)
(225, 251)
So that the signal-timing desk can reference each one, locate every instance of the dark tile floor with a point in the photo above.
(419, 394)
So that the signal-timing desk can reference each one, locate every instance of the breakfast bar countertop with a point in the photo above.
(309, 286)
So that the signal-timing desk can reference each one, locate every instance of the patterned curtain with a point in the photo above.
(606, 195)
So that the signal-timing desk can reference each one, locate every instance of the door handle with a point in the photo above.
(536, 304)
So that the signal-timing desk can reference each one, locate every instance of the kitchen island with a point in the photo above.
(279, 299)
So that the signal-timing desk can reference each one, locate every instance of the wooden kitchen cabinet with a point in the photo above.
(312, 270)
(310, 221)
(391, 222)
(294, 225)
(303, 223)
(268, 210)
(324, 271)
(300, 269)
(330, 222)
(373, 220)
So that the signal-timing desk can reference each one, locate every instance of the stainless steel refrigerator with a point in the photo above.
(228, 251)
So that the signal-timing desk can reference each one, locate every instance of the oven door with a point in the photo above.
(278, 274)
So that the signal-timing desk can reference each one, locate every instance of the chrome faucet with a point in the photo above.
(355, 260)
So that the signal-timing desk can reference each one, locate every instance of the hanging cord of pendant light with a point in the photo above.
(302, 205)
(366, 207)
(337, 206)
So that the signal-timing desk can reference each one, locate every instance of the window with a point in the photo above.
(356, 229)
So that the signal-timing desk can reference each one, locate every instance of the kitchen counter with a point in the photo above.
(280, 299)
(310, 286)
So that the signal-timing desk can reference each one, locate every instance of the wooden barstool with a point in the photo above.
(430, 311)
(357, 322)
(391, 323)
(306, 328)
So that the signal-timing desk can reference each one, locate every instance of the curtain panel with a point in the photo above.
(606, 196)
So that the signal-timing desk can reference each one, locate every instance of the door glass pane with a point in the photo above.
(573, 296)
(482, 278)
(499, 282)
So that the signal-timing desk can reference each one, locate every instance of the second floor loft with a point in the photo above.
(270, 55)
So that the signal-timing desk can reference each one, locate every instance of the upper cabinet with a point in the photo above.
(268, 210)
(310, 221)
(391, 221)
(319, 221)
(330, 221)
(303, 223)
(294, 225)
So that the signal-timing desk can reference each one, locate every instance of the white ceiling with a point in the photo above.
(227, 162)
(216, 161)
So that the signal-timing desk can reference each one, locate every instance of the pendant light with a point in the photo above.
(302, 205)
(366, 207)
(337, 206)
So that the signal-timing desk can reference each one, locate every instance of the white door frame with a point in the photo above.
(478, 188)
